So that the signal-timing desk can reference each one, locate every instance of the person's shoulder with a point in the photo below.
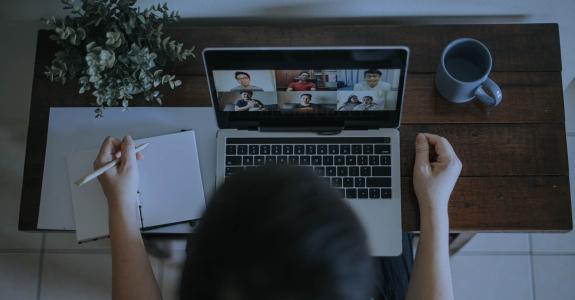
(256, 88)
(385, 85)
(235, 89)
(358, 86)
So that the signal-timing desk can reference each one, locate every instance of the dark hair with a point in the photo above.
(372, 71)
(249, 92)
(273, 233)
(349, 98)
(369, 97)
(309, 95)
(304, 72)
(240, 73)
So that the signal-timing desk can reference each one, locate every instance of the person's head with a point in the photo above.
(372, 77)
(275, 233)
(246, 95)
(367, 100)
(305, 99)
(303, 76)
(352, 99)
(243, 78)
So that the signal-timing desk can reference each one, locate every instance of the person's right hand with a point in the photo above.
(120, 184)
(433, 181)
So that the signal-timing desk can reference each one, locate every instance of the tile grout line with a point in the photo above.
(531, 267)
(40, 268)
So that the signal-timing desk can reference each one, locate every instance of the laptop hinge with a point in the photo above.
(323, 130)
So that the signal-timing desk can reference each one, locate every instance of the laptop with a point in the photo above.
(335, 110)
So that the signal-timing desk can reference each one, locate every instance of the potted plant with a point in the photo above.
(115, 50)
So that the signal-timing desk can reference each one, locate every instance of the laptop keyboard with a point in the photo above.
(359, 168)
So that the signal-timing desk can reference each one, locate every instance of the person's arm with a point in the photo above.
(433, 182)
(132, 275)
(243, 108)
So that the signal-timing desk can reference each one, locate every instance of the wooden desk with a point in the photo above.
(515, 171)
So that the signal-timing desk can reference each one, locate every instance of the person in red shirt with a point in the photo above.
(302, 84)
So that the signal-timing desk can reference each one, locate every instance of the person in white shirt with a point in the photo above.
(372, 82)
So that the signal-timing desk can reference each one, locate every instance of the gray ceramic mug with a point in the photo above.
(462, 73)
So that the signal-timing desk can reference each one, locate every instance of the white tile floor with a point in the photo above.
(53, 266)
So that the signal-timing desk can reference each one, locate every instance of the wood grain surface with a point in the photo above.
(515, 169)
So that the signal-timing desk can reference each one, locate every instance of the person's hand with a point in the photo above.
(434, 180)
(120, 183)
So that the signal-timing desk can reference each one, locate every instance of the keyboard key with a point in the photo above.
(362, 160)
(333, 149)
(353, 171)
(321, 149)
(282, 160)
(254, 149)
(359, 182)
(320, 171)
(374, 193)
(386, 193)
(365, 171)
(310, 149)
(341, 171)
(247, 160)
(350, 160)
(373, 160)
(341, 192)
(231, 149)
(305, 160)
(355, 149)
(336, 182)
(381, 171)
(367, 149)
(259, 160)
(299, 149)
(344, 149)
(378, 182)
(265, 149)
(330, 171)
(271, 160)
(350, 193)
(293, 160)
(316, 160)
(382, 149)
(327, 160)
(233, 170)
(348, 182)
(339, 160)
(242, 149)
(385, 160)
(276, 149)
(233, 160)
(362, 193)
(288, 149)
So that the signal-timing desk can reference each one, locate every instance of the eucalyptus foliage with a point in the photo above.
(115, 50)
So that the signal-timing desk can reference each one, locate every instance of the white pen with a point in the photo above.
(106, 167)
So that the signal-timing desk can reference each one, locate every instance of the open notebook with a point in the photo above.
(171, 189)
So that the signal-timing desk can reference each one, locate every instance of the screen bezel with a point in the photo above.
(389, 57)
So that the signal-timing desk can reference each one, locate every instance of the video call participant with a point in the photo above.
(305, 104)
(244, 80)
(372, 82)
(303, 83)
(352, 101)
(248, 104)
(368, 104)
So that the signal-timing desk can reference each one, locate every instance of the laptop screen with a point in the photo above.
(307, 87)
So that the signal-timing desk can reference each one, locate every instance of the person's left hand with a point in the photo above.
(120, 183)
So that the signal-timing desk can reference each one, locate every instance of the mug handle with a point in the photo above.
(493, 89)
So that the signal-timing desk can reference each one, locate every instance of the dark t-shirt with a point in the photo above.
(241, 103)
